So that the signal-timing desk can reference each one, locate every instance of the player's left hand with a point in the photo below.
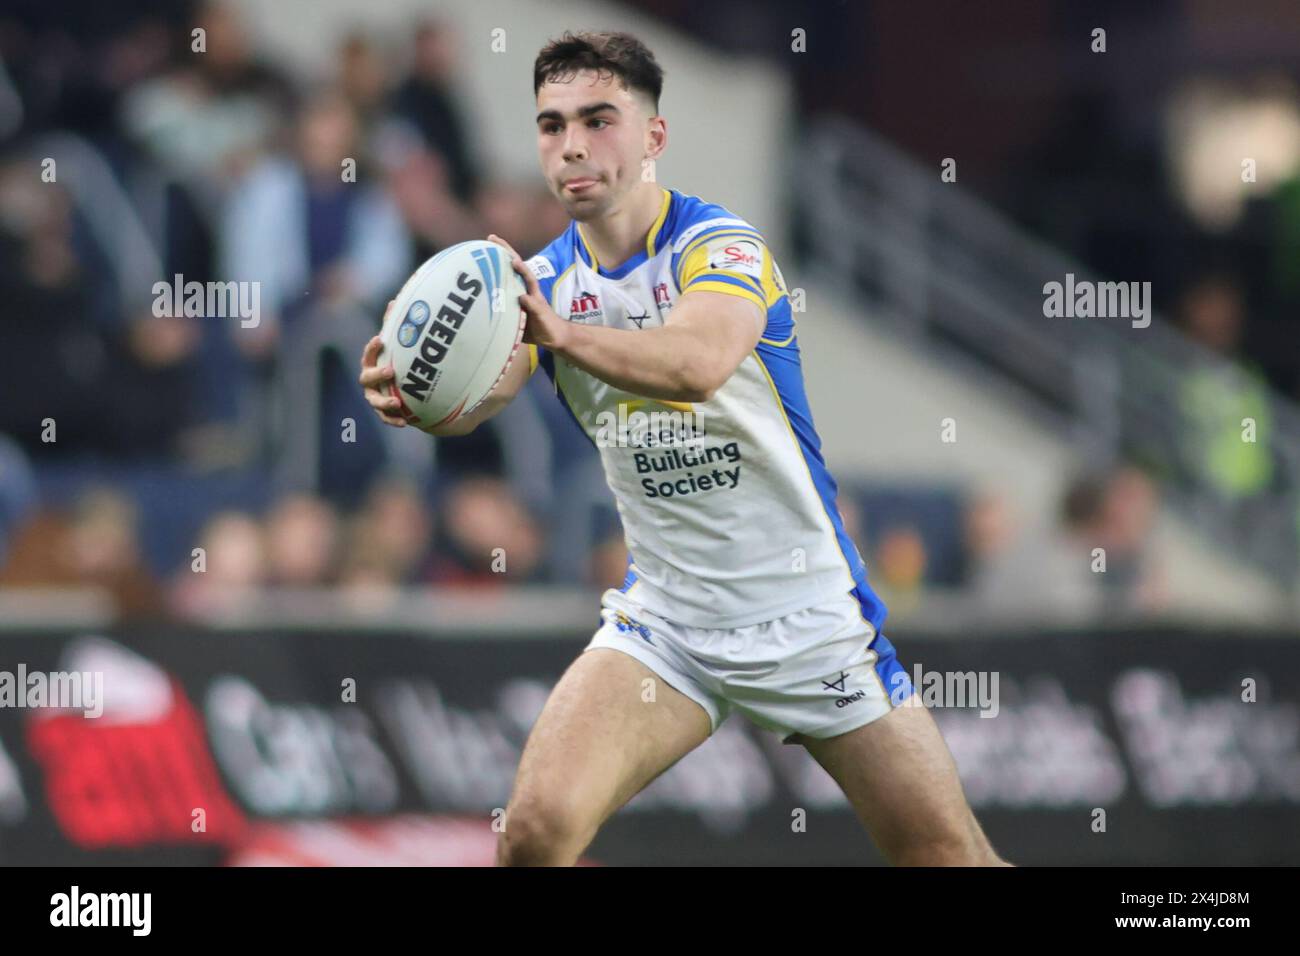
(545, 328)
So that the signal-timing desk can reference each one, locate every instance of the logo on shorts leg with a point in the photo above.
(838, 686)
(629, 626)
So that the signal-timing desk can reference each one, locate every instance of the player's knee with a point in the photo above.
(541, 832)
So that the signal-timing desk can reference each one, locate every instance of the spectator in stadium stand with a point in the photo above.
(368, 571)
(488, 537)
(1034, 571)
(18, 492)
(1133, 580)
(93, 544)
(528, 210)
(427, 99)
(363, 78)
(45, 294)
(1215, 400)
(308, 237)
(302, 542)
(208, 117)
(1068, 580)
(416, 179)
(389, 537)
(1218, 404)
(988, 535)
(234, 556)
(898, 568)
(59, 304)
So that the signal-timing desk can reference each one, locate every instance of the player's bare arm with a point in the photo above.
(703, 340)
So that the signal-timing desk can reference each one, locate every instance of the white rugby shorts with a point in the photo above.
(819, 672)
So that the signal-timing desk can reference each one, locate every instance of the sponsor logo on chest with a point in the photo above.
(619, 308)
(585, 307)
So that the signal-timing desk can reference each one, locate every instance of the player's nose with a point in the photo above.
(575, 147)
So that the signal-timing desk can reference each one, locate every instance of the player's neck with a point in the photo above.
(619, 236)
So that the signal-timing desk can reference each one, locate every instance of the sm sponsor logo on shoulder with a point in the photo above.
(736, 255)
(129, 910)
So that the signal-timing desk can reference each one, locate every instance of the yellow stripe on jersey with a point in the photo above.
(726, 232)
(659, 222)
(771, 283)
(719, 232)
(726, 288)
(694, 271)
(664, 204)
(532, 358)
(773, 288)
(590, 255)
(555, 286)
(788, 339)
(630, 406)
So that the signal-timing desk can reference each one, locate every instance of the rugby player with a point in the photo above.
(743, 590)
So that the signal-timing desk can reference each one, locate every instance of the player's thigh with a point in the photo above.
(903, 784)
(599, 741)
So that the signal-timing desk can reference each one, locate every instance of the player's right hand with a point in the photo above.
(544, 326)
(375, 379)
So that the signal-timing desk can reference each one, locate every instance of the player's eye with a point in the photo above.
(603, 123)
(549, 128)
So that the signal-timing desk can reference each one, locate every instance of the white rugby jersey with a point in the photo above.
(728, 509)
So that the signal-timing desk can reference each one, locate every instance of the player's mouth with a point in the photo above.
(580, 185)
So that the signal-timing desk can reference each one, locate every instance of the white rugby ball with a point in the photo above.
(452, 332)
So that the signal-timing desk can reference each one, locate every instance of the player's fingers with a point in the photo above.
(382, 401)
(517, 263)
(370, 354)
(528, 306)
(375, 376)
(501, 242)
(386, 406)
(536, 331)
(531, 285)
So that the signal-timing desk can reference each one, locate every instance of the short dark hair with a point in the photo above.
(619, 54)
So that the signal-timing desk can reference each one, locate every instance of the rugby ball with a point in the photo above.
(452, 332)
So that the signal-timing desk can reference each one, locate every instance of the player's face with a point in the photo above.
(592, 137)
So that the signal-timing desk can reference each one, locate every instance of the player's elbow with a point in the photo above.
(697, 381)
(693, 394)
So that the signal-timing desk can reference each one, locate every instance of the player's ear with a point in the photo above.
(656, 136)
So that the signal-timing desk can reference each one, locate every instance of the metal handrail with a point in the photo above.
(945, 269)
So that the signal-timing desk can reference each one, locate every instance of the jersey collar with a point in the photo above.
(656, 238)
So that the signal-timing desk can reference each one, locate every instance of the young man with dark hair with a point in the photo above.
(743, 590)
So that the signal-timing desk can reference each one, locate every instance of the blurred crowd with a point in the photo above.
(172, 459)
(1094, 555)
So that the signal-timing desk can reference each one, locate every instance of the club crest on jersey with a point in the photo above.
(661, 296)
(585, 307)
